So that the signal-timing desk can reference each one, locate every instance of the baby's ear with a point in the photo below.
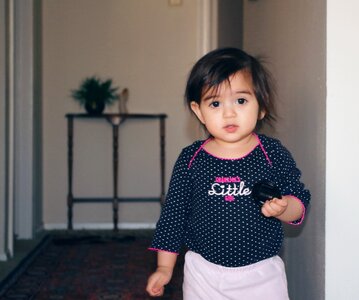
(261, 115)
(197, 111)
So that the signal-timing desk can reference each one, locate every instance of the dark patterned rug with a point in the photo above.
(93, 267)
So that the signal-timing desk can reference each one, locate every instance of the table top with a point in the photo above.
(114, 115)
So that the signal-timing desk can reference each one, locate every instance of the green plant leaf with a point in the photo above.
(93, 89)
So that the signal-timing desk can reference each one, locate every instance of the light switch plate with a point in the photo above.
(175, 2)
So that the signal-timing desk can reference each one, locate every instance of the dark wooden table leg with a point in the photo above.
(70, 130)
(162, 159)
(115, 176)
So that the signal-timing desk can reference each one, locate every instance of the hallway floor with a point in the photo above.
(89, 265)
(21, 249)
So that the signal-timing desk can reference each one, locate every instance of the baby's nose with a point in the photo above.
(229, 111)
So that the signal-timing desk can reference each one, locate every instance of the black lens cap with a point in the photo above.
(265, 190)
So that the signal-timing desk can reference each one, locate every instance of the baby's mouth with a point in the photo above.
(231, 128)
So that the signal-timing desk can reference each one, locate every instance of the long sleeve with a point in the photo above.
(289, 177)
(171, 226)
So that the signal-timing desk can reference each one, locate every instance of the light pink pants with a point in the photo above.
(265, 280)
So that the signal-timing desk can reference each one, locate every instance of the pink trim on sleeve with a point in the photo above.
(157, 250)
(195, 154)
(300, 221)
(263, 150)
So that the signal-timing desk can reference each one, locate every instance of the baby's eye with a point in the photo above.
(241, 101)
(214, 104)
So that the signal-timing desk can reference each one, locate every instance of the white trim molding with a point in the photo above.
(10, 130)
(3, 257)
(24, 118)
(207, 26)
(99, 226)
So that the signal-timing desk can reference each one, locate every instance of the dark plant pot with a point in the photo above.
(95, 108)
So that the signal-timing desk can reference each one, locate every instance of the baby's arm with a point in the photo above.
(165, 264)
(287, 209)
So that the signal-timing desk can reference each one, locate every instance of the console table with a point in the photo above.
(115, 120)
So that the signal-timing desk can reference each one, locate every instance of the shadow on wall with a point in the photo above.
(194, 129)
(292, 231)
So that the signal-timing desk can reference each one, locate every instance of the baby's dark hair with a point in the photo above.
(218, 65)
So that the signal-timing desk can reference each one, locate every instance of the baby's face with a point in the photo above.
(230, 111)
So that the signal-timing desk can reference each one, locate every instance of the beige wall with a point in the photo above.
(292, 37)
(146, 46)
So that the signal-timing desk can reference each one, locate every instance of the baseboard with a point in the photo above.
(3, 257)
(93, 226)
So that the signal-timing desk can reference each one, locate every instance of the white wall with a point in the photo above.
(342, 222)
(291, 35)
(146, 46)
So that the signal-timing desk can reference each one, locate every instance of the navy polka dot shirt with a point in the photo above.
(209, 206)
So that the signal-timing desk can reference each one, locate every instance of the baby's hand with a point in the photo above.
(274, 207)
(157, 281)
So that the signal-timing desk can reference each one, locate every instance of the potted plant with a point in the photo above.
(94, 94)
